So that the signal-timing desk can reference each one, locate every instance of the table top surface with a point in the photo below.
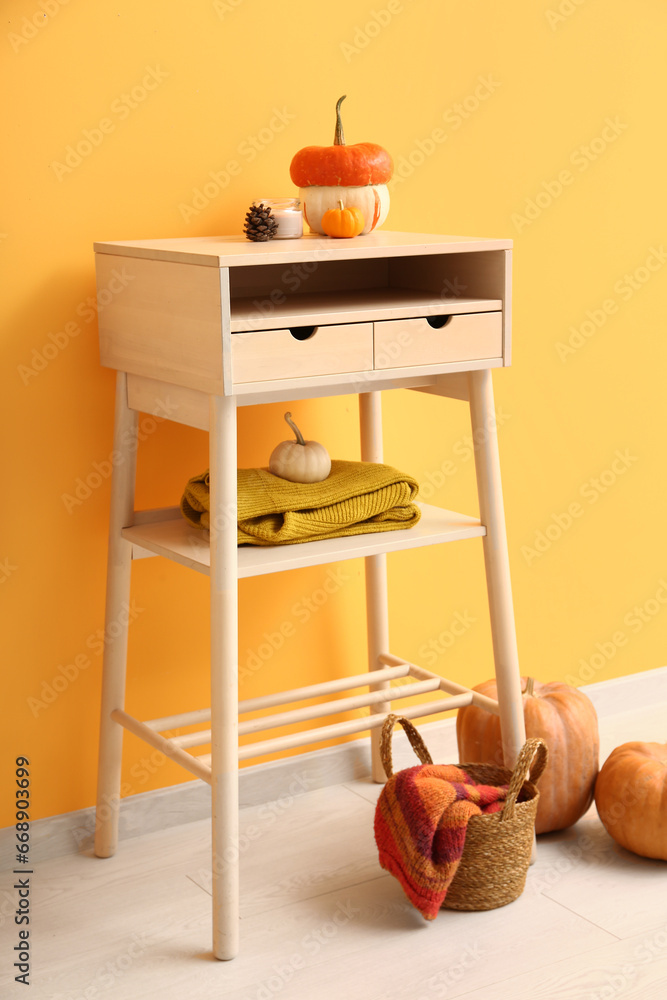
(235, 251)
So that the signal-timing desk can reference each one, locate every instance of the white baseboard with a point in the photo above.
(148, 812)
(628, 693)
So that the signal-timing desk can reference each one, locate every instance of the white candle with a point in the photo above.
(288, 215)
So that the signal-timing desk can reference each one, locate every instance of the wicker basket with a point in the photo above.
(494, 864)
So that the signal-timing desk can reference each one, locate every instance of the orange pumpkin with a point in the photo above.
(567, 722)
(331, 166)
(343, 221)
(631, 798)
(356, 174)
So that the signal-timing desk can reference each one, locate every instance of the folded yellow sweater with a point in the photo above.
(355, 498)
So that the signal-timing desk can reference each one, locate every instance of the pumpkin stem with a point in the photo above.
(530, 684)
(339, 138)
(297, 432)
(340, 205)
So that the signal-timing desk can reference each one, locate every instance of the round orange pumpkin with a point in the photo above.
(567, 722)
(342, 222)
(631, 798)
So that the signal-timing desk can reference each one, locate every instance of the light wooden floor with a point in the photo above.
(321, 920)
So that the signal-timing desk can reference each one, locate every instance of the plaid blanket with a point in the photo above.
(420, 828)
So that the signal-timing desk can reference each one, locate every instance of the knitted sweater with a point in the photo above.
(420, 828)
(355, 498)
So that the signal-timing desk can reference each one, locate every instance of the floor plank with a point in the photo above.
(633, 969)
(361, 942)
(317, 844)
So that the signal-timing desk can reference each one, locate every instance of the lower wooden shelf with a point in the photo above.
(448, 695)
(166, 533)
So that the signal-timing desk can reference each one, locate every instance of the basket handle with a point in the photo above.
(532, 758)
(416, 741)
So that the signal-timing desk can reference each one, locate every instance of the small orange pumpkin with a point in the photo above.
(343, 222)
(631, 798)
(567, 722)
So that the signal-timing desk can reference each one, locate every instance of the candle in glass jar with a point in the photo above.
(288, 215)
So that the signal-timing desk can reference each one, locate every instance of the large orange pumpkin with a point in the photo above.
(356, 174)
(631, 797)
(567, 722)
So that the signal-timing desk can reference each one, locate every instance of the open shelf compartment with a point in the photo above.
(329, 291)
(250, 313)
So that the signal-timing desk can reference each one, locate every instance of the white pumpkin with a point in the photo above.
(300, 461)
(372, 199)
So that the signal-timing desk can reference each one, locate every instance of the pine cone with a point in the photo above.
(260, 225)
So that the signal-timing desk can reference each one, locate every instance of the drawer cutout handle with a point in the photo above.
(437, 322)
(302, 332)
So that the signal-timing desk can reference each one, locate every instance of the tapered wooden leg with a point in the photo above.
(377, 618)
(224, 677)
(117, 603)
(496, 560)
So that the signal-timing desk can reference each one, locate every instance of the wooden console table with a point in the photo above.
(219, 323)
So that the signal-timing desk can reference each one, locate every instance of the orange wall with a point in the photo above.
(541, 122)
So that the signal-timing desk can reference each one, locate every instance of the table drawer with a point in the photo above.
(301, 351)
(436, 340)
